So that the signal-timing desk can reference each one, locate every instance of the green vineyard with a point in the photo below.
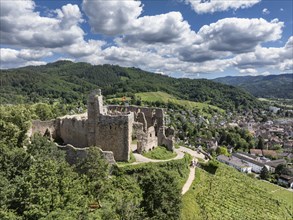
(232, 195)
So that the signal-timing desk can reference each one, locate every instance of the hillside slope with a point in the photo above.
(71, 82)
(230, 194)
(272, 86)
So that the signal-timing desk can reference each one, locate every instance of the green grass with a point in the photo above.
(160, 153)
(177, 146)
(287, 103)
(179, 167)
(230, 194)
(190, 208)
(165, 98)
(119, 99)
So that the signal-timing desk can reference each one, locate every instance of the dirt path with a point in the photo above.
(180, 154)
(189, 181)
(141, 159)
(192, 153)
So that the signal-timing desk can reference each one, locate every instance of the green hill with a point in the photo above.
(272, 86)
(230, 194)
(163, 97)
(70, 82)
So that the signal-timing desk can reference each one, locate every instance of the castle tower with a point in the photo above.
(95, 104)
(95, 110)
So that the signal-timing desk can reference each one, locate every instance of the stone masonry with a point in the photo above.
(112, 128)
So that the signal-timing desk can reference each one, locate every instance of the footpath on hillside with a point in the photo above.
(180, 154)
(189, 181)
(179, 151)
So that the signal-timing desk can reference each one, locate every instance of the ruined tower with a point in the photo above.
(110, 127)
(95, 110)
(111, 132)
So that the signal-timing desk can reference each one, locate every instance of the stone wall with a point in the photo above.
(152, 140)
(151, 115)
(43, 126)
(113, 133)
(74, 131)
(73, 154)
(147, 134)
(165, 141)
(110, 128)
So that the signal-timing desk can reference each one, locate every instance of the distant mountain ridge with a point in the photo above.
(71, 82)
(271, 86)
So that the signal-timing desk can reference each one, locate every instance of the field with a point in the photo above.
(286, 103)
(165, 98)
(160, 153)
(232, 195)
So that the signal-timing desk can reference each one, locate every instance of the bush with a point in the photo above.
(211, 166)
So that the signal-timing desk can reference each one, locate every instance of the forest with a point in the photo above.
(271, 86)
(36, 182)
(68, 82)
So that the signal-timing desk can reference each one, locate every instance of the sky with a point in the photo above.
(179, 38)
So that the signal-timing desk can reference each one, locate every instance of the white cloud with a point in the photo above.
(111, 17)
(128, 56)
(266, 11)
(159, 43)
(249, 71)
(11, 58)
(165, 28)
(230, 36)
(122, 18)
(240, 35)
(21, 25)
(211, 6)
(287, 65)
(83, 48)
(271, 57)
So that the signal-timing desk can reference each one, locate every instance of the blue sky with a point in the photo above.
(180, 38)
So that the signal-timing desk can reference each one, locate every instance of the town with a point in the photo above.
(256, 142)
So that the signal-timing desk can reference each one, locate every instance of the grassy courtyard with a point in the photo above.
(160, 153)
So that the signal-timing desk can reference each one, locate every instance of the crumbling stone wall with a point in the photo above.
(110, 128)
(74, 154)
(165, 141)
(152, 115)
(113, 133)
(152, 140)
(43, 127)
(151, 120)
(74, 131)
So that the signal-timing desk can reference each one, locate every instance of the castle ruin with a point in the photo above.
(112, 128)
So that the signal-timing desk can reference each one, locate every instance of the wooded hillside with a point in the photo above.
(71, 82)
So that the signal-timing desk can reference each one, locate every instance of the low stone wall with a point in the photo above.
(73, 154)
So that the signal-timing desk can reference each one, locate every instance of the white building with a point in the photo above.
(233, 162)
(254, 164)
